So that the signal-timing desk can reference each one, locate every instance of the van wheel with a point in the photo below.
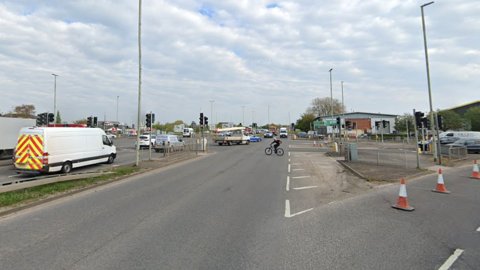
(110, 159)
(67, 167)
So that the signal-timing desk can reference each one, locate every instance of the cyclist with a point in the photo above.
(277, 142)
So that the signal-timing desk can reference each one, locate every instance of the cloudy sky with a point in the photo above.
(257, 60)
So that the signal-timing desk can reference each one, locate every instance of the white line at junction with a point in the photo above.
(288, 183)
(300, 188)
(287, 210)
(451, 260)
(288, 167)
(298, 169)
(478, 230)
(297, 177)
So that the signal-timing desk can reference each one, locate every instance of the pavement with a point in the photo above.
(373, 172)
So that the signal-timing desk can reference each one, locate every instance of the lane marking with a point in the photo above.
(296, 163)
(287, 210)
(478, 230)
(288, 153)
(297, 177)
(299, 188)
(298, 169)
(288, 167)
(451, 260)
(288, 183)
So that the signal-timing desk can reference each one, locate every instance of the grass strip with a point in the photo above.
(36, 193)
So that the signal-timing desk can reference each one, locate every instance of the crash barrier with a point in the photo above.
(398, 158)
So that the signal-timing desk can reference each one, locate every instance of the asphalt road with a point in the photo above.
(241, 209)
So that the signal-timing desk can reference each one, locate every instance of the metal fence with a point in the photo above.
(398, 158)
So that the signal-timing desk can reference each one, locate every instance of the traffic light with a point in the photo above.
(338, 121)
(439, 121)
(348, 124)
(201, 118)
(153, 118)
(426, 122)
(148, 122)
(293, 126)
(89, 121)
(377, 124)
(95, 121)
(384, 123)
(39, 120)
(45, 118)
(355, 125)
(418, 119)
(206, 121)
(50, 118)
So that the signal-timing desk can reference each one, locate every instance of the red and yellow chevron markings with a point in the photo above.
(29, 152)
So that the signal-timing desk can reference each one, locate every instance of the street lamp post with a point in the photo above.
(432, 118)
(243, 115)
(211, 111)
(55, 100)
(268, 115)
(117, 116)
(331, 98)
(343, 116)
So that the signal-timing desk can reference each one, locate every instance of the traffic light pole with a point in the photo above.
(438, 141)
(415, 124)
(150, 142)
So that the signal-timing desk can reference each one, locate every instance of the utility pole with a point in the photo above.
(55, 100)
(139, 77)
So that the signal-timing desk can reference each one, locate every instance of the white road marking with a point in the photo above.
(297, 177)
(288, 167)
(298, 169)
(296, 163)
(451, 260)
(299, 188)
(478, 230)
(287, 210)
(288, 183)
(288, 153)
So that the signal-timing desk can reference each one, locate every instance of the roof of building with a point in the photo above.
(360, 115)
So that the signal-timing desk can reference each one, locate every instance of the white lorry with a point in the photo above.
(230, 136)
(9, 128)
(53, 149)
(283, 133)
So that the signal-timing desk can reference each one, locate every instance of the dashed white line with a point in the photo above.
(478, 230)
(288, 167)
(299, 188)
(297, 169)
(297, 177)
(288, 183)
(296, 163)
(451, 260)
(287, 210)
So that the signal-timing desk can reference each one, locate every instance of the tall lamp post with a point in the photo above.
(55, 99)
(331, 98)
(243, 115)
(432, 118)
(211, 111)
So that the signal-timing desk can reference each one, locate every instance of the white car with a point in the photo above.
(144, 141)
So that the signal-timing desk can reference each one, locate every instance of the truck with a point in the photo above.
(273, 129)
(51, 149)
(230, 136)
(283, 132)
(9, 128)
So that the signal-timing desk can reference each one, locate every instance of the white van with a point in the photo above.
(53, 149)
(188, 132)
(461, 134)
(283, 133)
(172, 142)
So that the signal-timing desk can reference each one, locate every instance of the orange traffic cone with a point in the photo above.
(475, 173)
(402, 203)
(440, 184)
(314, 143)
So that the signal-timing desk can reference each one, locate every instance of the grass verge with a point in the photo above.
(35, 193)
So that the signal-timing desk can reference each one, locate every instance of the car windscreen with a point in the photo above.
(144, 137)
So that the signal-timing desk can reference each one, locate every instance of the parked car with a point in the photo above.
(144, 139)
(362, 136)
(447, 140)
(255, 139)
(268, 134)
(302, 135)
(473, 145)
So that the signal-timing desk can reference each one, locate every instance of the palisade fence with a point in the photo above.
(187, 150)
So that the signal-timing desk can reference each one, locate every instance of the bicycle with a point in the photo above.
(271, 149)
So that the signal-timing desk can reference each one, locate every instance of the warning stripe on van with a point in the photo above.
(29, 152)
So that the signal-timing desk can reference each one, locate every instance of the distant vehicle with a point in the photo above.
(302, 135)
(237, 136)
(188, 132)
(268, 134)
(473, 145)
(52, 149)
(283, 133)
(273, 129)
(163, 142)
(144, 139)
(461, 134)
(255, 138)
(447, 140)
(362, 136)
(9, 128)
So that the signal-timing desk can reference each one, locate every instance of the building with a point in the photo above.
(361, 122)
(462, 109)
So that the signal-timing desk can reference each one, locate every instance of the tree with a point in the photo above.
(81, 121)
(451, 120)
(401, 123)
(323, 106)
(22, 111)
(473, 115)
(305, 121)
(58, 120)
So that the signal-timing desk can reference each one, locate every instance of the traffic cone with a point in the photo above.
(314, 143)
(475, 173)
(440, 184)
(402, 203)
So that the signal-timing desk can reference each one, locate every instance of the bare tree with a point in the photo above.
(22, 111)
(323, 106)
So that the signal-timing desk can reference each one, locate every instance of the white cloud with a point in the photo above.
(239, 53)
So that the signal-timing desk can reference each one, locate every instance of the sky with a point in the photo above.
(236, 61)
